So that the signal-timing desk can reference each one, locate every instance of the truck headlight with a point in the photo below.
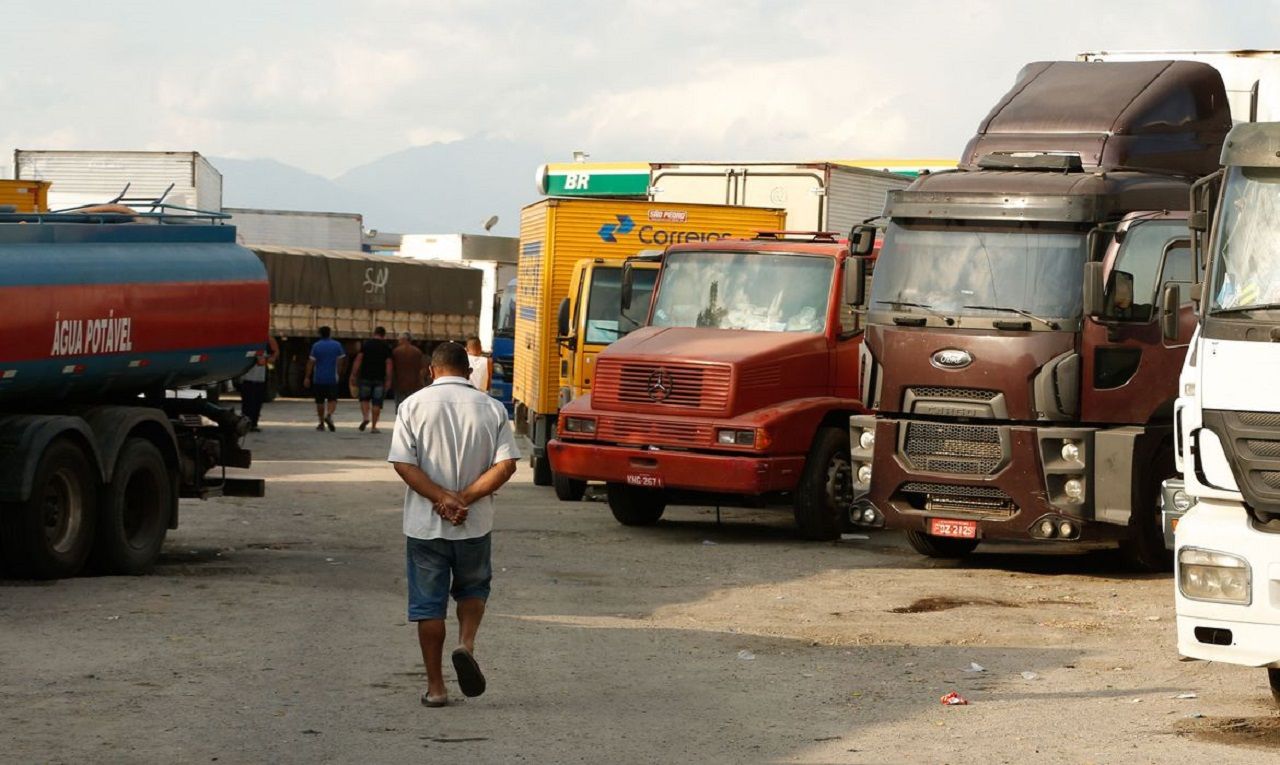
(1070, 451)
(1181, 501)
(1214, 576)
(864, 474)
(867, 440)
(582, 425)
(1074, 489)
(733, 437)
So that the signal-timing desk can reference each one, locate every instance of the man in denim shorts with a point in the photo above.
(453, 448)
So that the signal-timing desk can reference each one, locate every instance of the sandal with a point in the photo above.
(470, 678)
(435, 703)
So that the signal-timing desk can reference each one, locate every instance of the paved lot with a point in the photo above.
(274, 631)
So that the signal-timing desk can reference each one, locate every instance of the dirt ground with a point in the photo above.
(274, 630)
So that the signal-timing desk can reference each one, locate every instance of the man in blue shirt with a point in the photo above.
(322, 370)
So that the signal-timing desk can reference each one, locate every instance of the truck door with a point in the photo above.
(849, 326)
(600, 319)
(1129, 372)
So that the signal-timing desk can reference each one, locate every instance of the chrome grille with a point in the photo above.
(967, 394)
(979, 501)
(688, 386)
(960, 449)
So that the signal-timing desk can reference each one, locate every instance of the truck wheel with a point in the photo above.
(49, 536)
(940, 547)
(1144, 548)
(568, 489)
(1273, 677)
(632, 506)
(825, 493)
(541, 471)
(135, 511)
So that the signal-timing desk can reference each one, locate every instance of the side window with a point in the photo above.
(1131, 291)
(1179, 268)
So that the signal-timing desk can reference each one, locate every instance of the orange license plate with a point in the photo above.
(644, 481)
(940, 527)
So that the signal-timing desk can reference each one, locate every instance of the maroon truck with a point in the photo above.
(1014, 356)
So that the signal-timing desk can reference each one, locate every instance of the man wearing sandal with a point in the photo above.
(453, 448)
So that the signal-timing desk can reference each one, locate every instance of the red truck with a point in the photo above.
(739, 389)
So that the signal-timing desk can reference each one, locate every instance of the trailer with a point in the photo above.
(180, 178)
(298, 228)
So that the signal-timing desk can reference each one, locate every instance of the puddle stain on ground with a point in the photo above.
(945, 603)
(1257, 732)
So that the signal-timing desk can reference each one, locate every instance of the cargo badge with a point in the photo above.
(951, 358)
(623, 226)
(659, 385)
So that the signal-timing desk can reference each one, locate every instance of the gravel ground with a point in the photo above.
(274, 630)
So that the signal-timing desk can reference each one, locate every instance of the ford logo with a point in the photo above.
(951, 358)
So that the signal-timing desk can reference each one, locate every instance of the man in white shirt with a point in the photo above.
(453, 448)
(481, 368)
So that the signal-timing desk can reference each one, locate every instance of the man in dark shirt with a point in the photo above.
(371, 376)
(410, 368)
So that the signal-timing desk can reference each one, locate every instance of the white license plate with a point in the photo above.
(644, 481)
(940, 527)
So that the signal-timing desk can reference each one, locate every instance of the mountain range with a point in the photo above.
(437, 188)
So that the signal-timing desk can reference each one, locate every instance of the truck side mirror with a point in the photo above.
(1170, 302)
(1094, 300)
(855, 281)
(628, 286)
(862, 239)
(563, 327)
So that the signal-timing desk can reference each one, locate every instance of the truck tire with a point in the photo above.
(541, 471)
(1273, 677)
(1144, 549)
(633, 506)
(136, 506)
(825, 493)
(940, 547)
(49, 536)
(568, 489)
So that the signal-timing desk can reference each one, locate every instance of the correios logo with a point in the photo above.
(652, 234)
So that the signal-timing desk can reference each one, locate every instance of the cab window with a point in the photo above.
(1132, 287)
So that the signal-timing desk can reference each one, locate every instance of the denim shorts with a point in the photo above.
(437, 568)
(372, 391)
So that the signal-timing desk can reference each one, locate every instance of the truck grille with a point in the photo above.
(979, 501)
(626, 430)
(1252, 444)
(965, 394)
(959, 449)
(687, 386)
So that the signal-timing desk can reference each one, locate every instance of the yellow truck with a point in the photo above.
(556, 236)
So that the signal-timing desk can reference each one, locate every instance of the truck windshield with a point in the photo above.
(744, 290)
(606, 321)
(506, 323)
(957, 272)
(1247, 269)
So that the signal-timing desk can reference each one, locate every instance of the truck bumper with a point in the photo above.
(1237, 634)
(999, 483)
(678, 470)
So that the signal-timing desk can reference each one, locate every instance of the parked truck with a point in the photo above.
(178, 178)
(555, 234)
(355, 292)
(103, 315)
(1014, 355)
(298, 228)
(737, 391)
(1228, 414)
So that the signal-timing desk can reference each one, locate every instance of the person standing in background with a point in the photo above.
(481, 368)
(371, 376)
(323, 366)
(253, 385)
(410, 369)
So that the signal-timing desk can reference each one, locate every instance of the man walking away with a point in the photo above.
(481, 370)
(253, 385)
(371, 376)
(410, 369)
(453, 448)
(322, 368)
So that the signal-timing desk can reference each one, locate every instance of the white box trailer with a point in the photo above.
(496, 256)
(818, 196)
(1252, 77)
(94, 177)
(296, 228)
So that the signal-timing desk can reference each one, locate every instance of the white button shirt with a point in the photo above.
(454, 433)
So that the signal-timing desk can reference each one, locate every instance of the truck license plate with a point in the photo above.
(644, 481)
(959, 529)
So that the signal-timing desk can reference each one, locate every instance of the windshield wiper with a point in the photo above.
(1243, 308)
(928, 308)
(1048, 323)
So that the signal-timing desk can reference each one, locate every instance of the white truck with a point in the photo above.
(818, 196)
(298, 228)
(183, 178)
(1228, 415)
(496, 256)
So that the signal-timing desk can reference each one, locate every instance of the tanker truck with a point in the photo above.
(105, 314)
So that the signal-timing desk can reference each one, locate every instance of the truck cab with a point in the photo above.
(736, 390)
(1015, 357)
(1228, 415)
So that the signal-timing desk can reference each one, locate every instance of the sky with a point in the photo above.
(327, 86)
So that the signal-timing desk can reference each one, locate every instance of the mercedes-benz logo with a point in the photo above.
(660, 385)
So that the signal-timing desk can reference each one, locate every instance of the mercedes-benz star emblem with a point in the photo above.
(659, 385)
